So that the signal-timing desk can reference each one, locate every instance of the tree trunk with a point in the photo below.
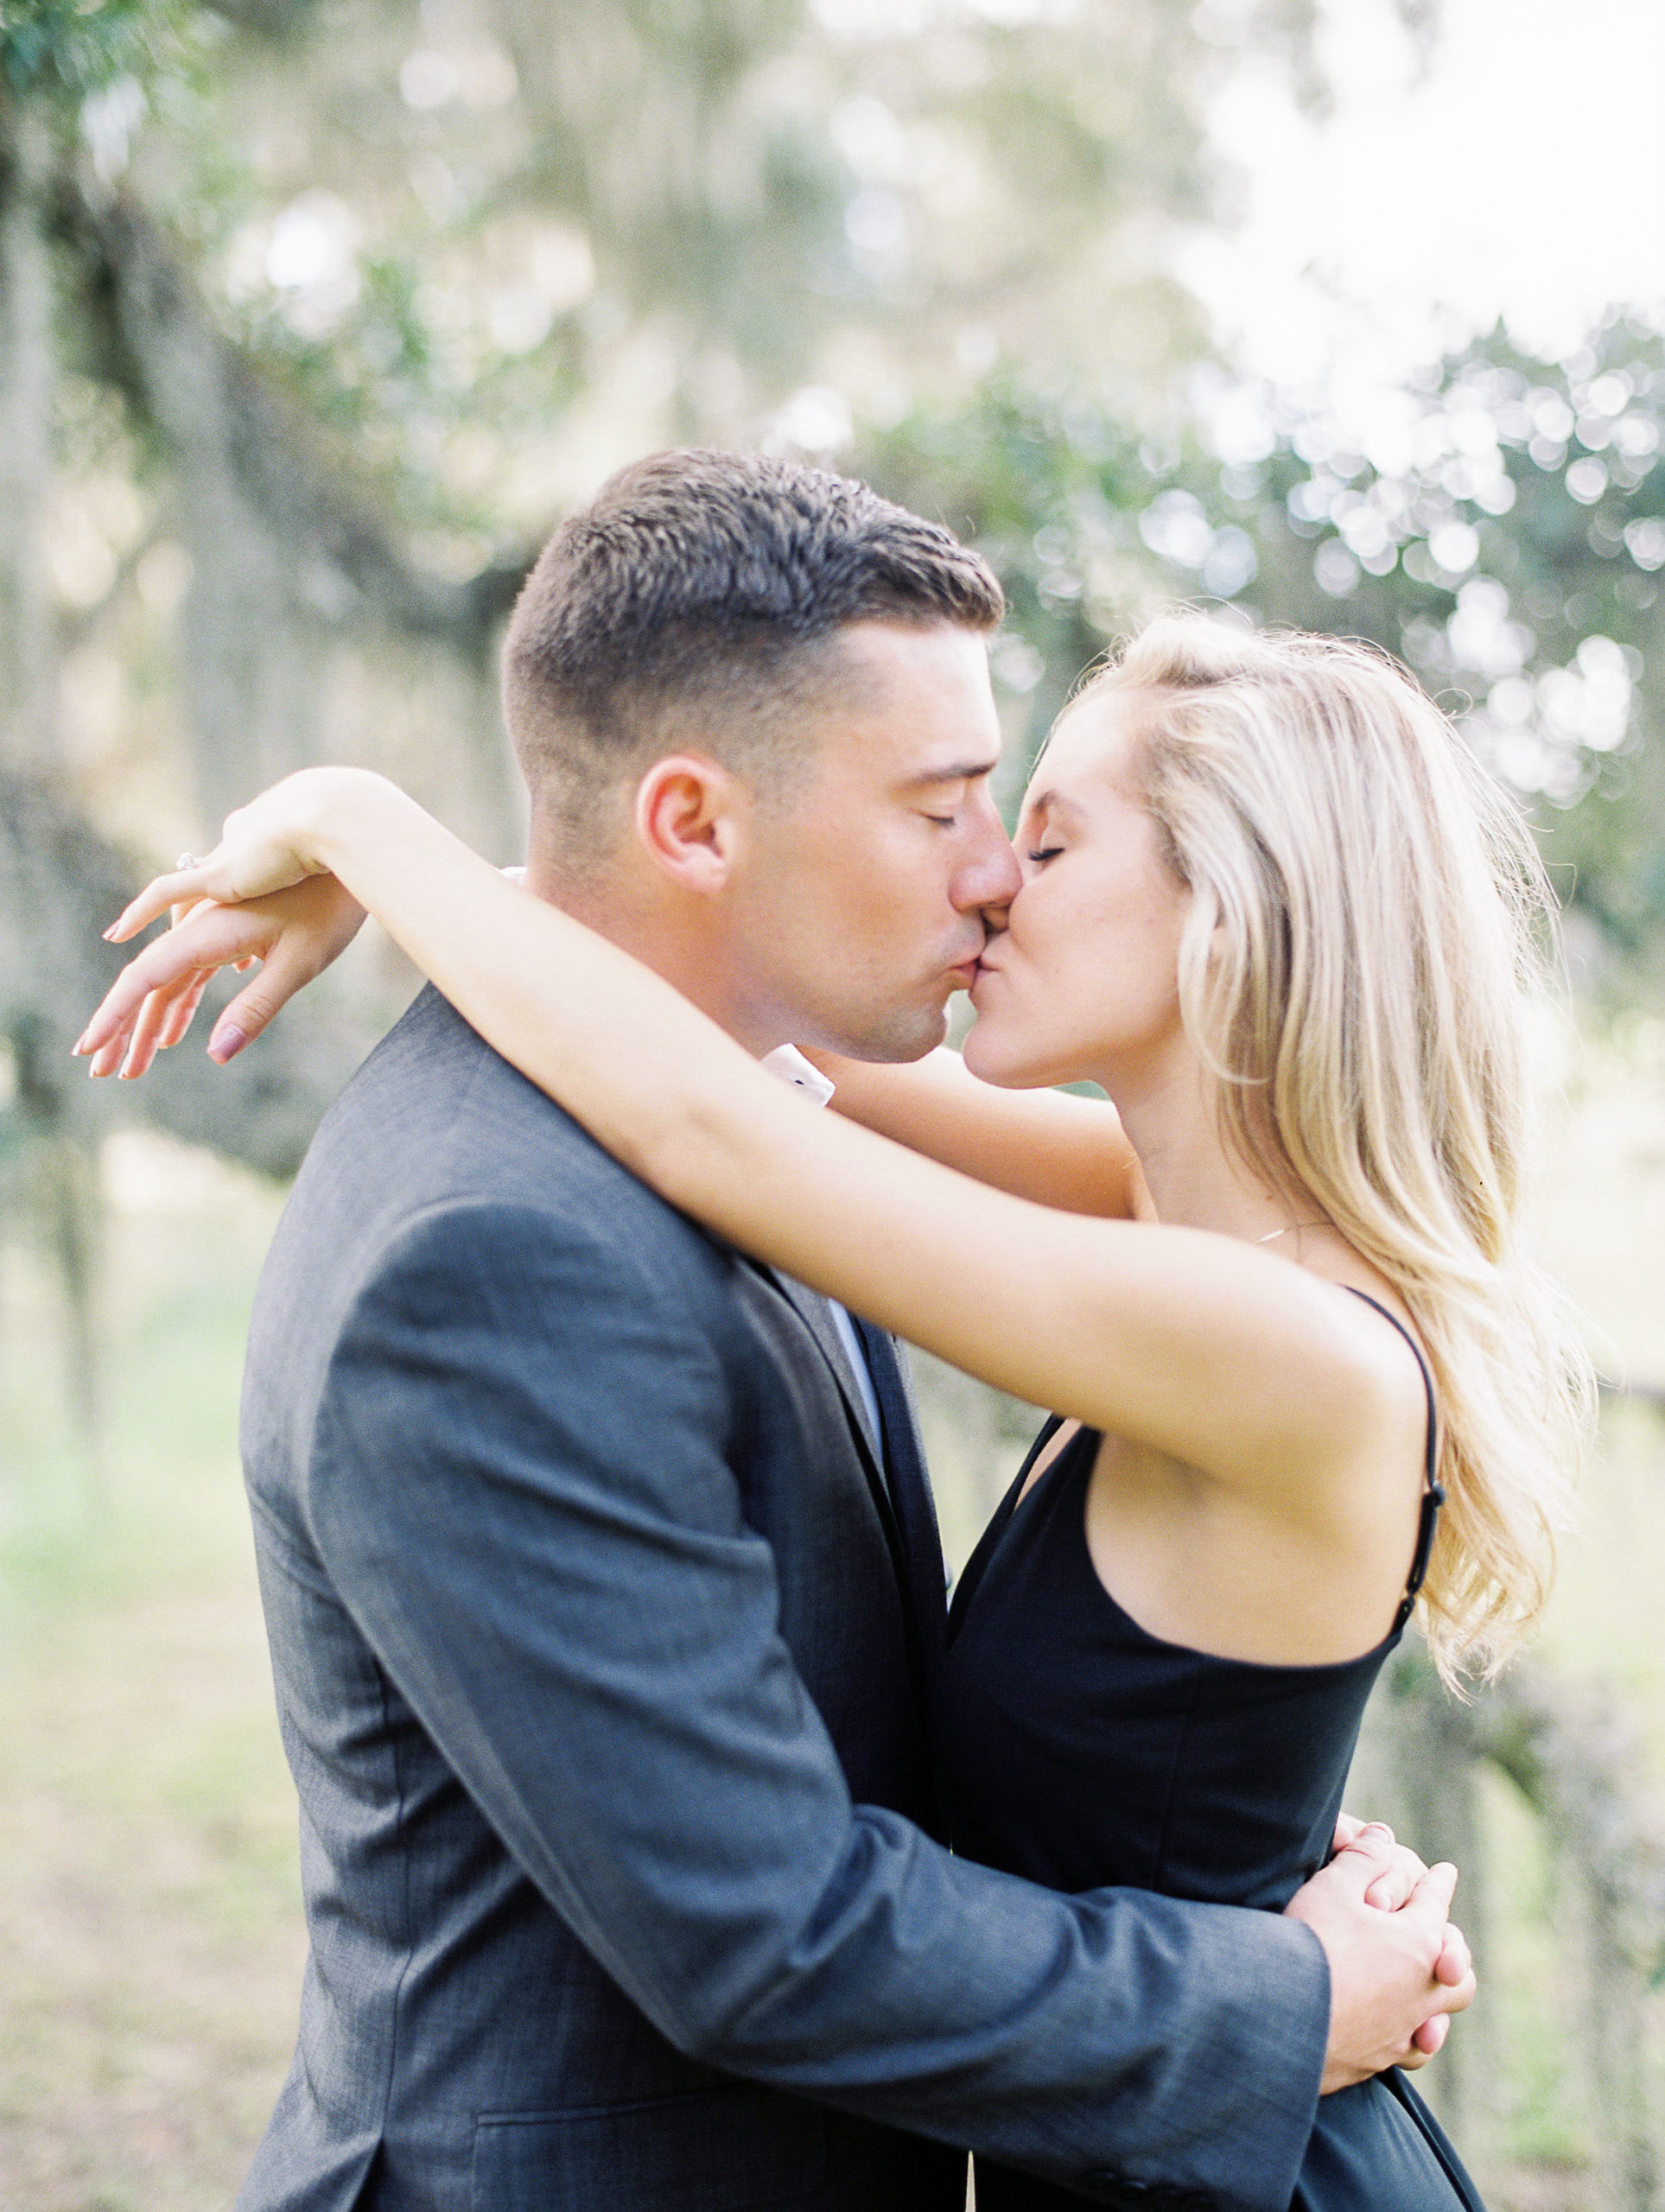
(28, 673)
(290, 548)
(252, 710)
(1572, 1751)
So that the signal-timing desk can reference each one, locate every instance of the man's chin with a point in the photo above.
(894, 1037)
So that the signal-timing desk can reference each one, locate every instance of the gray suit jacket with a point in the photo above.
(598, 1679)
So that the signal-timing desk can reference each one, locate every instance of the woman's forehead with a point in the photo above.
(1092, 747)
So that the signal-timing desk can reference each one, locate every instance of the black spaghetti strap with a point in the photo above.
(966, 1587)
(1433, 1494)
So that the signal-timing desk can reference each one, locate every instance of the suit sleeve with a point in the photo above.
(521, 1486)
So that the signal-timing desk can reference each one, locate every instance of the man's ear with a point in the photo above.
(692, 816)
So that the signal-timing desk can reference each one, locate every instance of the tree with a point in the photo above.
(313, 318)
(312, 322)
(1502, 529)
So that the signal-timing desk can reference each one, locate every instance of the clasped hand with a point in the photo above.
(1398, 1967)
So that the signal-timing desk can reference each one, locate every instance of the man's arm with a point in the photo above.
(521, 1486)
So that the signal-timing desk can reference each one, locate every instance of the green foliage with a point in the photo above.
(444, 242)
(71, 49)
(1502, 528)
(763, 193)
(1051, 486)
(397, 391)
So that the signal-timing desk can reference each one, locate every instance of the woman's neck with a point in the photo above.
(1170, 1112)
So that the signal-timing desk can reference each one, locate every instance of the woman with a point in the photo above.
(1272, 909)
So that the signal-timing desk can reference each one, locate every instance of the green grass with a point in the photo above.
(149, 1905)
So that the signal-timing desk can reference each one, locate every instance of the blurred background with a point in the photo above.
(316, 315)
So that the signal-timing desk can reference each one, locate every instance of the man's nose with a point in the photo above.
(989, 874)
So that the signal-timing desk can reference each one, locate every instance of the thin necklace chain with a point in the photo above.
(1290, 1229)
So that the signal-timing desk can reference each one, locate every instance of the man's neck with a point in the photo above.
(686, 945)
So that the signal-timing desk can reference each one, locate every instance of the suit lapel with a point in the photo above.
(896, 1477)
(810, 1310)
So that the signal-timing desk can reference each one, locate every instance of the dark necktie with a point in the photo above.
(910, 1491)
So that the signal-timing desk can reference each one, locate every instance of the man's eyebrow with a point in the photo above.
(963, 771)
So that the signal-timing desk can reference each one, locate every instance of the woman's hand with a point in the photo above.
(295, 933)
(265, 893)
(266, 846)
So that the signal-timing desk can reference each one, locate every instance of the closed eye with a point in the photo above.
(1047, 853)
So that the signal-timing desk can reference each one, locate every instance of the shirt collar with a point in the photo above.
(790, 1065)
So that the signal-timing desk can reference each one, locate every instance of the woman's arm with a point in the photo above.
(1253, 1371)
(1060, 1151)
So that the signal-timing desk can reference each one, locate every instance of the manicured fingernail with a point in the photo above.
(225, 1044)
(78, 1046)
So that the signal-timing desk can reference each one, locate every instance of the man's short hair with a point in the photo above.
(698, 603)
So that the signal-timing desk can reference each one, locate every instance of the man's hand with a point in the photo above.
(295, 933)
(1396, 1975)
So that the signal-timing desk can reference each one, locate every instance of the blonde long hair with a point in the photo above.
(1371, 921)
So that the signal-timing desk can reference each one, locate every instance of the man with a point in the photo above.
(599, 1564)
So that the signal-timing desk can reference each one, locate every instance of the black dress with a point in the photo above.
(1080, 1751)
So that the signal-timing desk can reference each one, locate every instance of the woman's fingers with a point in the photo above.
(150, 1027)
(182, 1000)
(164, 1018)
(108, 1058)
(210, 938)
(288, 967)
(140, 1029)
(159, 965)
(295, 932)
(257, 856)
(312, 924)
(186, 1002)
(183, 886)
